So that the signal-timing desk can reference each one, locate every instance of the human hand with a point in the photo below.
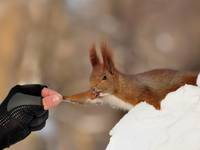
(51, 98)
(21, 113)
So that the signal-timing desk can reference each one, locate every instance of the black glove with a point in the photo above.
(20, 113)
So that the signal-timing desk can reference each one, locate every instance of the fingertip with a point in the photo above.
(51, 101)
(44, 104)
(48, 92)
(44, 92)
(46, 108)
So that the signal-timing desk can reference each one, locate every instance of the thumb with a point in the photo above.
(51, 101)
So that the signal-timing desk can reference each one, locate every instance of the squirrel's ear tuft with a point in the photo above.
(93, 57)
(107, 58)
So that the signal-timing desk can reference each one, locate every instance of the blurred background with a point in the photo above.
(47, 41)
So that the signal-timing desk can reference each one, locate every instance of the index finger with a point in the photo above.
(48, 92)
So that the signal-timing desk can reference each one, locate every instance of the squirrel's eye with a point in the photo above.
(104, 77)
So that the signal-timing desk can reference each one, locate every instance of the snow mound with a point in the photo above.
(175, 127)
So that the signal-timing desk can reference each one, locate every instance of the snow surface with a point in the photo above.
(175, 127)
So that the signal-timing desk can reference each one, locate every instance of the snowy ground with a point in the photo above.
(175, 127)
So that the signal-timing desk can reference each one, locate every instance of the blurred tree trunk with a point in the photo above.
(12, 28)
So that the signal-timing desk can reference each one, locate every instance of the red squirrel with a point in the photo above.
(109, 85)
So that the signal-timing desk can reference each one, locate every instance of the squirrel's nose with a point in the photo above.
(95, 89)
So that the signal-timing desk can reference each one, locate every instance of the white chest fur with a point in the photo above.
(113, 101)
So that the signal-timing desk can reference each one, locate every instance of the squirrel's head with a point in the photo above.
(104, 74)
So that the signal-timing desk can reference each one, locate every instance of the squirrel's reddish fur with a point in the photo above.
(151, 86)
